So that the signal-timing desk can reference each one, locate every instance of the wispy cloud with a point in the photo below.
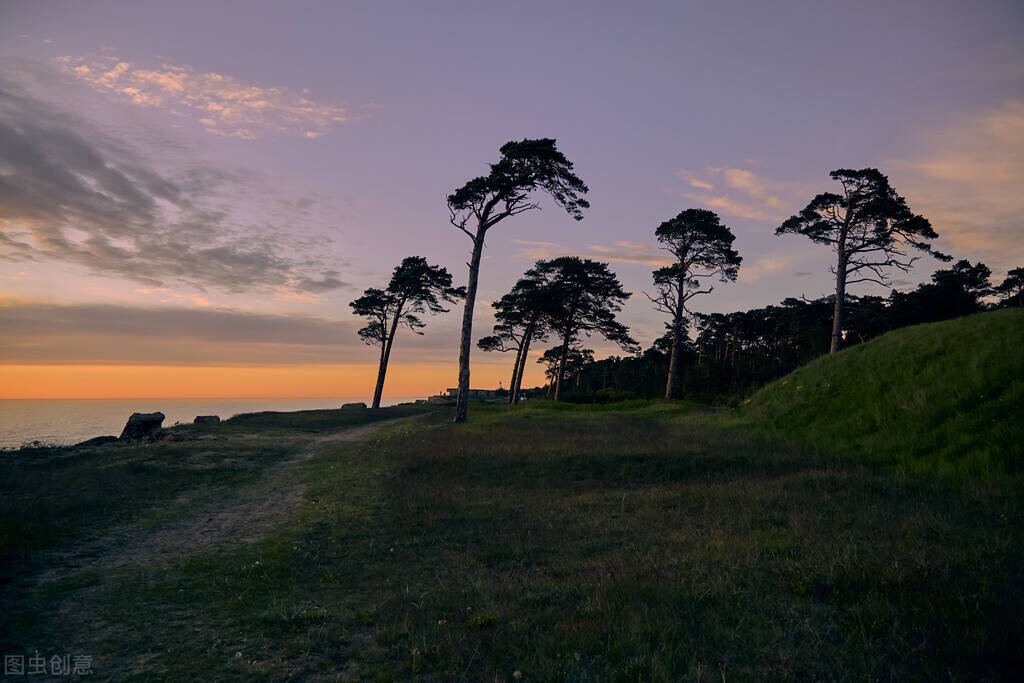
(740, 192)
(71, 192)
(222, 104)
(766, 266)
(530, 250)
(968, 183)
(629, 252)
(621, 251)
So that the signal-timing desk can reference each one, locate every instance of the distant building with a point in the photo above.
(450, 394)
(473, 393)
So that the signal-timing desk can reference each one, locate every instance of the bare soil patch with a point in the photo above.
(244, 516)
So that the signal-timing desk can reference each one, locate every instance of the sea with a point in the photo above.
(69, 421)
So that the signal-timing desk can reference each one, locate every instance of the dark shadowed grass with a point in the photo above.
(53, 497)
(315, 421)
(573, 545)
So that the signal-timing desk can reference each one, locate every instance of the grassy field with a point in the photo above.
(648, 542)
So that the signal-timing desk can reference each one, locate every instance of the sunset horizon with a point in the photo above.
(262, 381)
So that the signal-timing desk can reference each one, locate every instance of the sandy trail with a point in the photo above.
(247, 516)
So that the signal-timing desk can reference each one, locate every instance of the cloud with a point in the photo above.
(621, 251)
(71, 192)
(33, 332)
(767, 265)
(222, 104)
(741, 193)
(629, 252)
(530, 250)
(693, 181)
(968, 183)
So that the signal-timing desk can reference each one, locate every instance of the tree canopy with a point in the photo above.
(870, 228)
(524, 166)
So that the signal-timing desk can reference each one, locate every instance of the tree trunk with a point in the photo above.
(515, 374)
(381, 371)
(673, 359)
(385, 355)
(673, 367)
(838, 310)
(524, 355)
(462, 402)
(561, 366)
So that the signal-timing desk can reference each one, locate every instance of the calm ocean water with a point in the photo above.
(68, 421)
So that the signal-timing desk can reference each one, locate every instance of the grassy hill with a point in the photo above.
(944, 397)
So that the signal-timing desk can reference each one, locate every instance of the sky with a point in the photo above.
(191, 193)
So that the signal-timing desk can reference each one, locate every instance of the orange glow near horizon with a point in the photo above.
(264, 381)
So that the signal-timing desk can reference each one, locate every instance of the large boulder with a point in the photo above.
(206, 419)
(142, 426)
(353, 406)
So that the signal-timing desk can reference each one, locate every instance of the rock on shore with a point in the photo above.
(142, 426)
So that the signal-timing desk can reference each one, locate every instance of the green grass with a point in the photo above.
(946, 397)
(645, 542)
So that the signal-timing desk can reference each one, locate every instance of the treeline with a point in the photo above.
(727, 355)
(868, 227)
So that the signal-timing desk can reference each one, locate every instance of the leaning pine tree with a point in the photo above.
(483, 202)
(869, 227)
(416, 287)
(701, 249)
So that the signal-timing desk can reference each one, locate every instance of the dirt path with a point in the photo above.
(247, 516)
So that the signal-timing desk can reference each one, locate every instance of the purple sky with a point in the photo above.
(269, 161)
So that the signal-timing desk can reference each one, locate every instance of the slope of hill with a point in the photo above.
(943, 397)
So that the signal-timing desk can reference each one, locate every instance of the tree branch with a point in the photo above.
(885, 282)
(460, 223)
